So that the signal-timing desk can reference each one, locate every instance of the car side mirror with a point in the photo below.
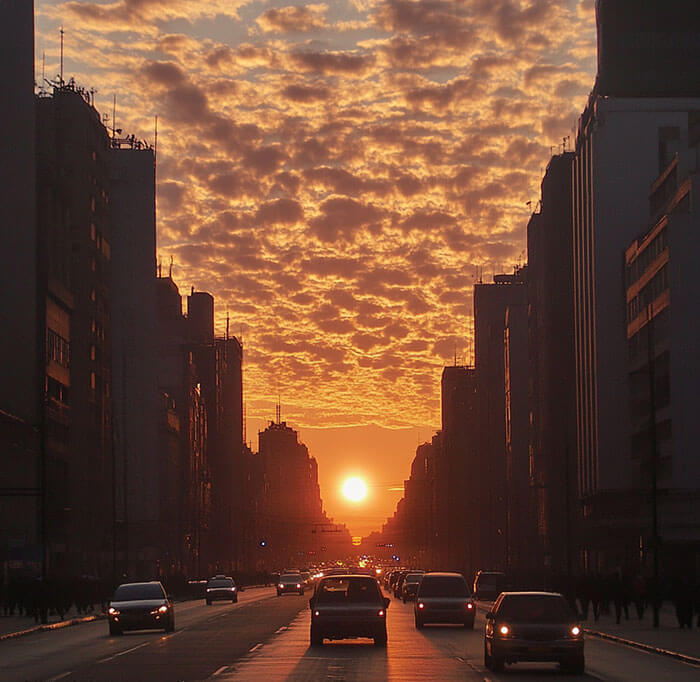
(490, 616)
(387, 601)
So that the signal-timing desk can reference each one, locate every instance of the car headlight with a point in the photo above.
(317, 613)
(380, 613)
(112, 611)
(160, 609)
(504, 630)
(575, 630)
(421, 605)
(470, 606)
(298, 585)
(281, 586)
(209, 589)
(233, 589)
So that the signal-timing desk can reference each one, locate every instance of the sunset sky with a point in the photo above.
(333, 173)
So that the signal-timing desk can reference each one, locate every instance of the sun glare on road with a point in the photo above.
(355, 489)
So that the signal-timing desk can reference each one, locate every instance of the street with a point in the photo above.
(265, 638)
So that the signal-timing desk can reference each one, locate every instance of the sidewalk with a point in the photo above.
(17, 626)
(669, 638)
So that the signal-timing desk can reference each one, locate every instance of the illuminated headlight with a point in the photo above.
(209, 589)
(160, 609)
(504, 630)
(380, 613)
(281, 586)
(112, 611)
(233, 589)
(575, 631)
(298, 585)
(470, 606)
(317, 613)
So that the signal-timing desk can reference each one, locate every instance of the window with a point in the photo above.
(57, 348)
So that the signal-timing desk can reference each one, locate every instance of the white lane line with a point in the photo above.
(255, 648)
(61, 676)
(219, 671)
(126, 651)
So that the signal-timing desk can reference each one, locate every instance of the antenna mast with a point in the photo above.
(114, 116)
(278, 411)
(61, 75)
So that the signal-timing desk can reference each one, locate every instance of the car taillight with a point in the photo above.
(470, 605)
(298, 585)
(317, 613)
(380, 613)
(575, 630)
(421, 605)
(504, 630)
(281, 586)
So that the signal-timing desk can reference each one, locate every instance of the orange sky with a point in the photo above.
(333, 173)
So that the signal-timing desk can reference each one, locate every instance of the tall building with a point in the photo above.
(136, 406)
(490, 304)
(621, 146)
(73, 157)
(552, 393)
(663, 334)
(458, 457)
(21, 380)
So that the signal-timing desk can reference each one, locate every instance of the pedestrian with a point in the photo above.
(619, 595)
(639, 589)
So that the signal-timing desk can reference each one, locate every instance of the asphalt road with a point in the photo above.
(265, 638)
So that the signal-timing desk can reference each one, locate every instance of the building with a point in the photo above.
(663, 335)
(621, 147)
(491, 302)
(552, 389)
(136, 405)
(23, 350)
(73, 160)
(455, 467)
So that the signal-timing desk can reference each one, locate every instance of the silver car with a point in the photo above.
(444, 598)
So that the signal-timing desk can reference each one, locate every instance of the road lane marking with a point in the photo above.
(255, 648)
(219, 671)
(126, 651)
(61, 676)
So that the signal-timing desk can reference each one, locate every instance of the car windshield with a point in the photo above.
(221, 582)
(531, 608)
(290, 578)
(348, 590)
(443, 586)
(137, 591)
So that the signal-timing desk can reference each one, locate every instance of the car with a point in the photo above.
(533, 626)
(290, 582)
(348, 606)
(306, 577)
(410, 585)
(221, 587)
(398, 583)
(489, 584)
(140, 606)
(444, 598)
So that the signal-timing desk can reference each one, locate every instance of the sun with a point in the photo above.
(355, 489)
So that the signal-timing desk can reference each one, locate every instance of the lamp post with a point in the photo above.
(653, 461)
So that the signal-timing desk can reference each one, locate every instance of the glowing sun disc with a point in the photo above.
(355, 489)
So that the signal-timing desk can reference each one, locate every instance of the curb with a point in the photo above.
(51, 626)
(691, 660)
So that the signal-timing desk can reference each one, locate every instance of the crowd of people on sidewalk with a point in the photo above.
(596, 594)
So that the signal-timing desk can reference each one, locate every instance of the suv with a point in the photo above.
(221, 587)
(444, 598)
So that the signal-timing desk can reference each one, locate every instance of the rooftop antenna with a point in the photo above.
(43, 69)
(227, 323)
(114, 116)
(170, 271)
(155, 142)
(245, 422)
(278, 410)
(61, 74)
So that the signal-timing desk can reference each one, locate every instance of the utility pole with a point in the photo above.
(653, 461)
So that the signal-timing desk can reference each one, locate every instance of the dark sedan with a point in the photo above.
(348, 606)
(533, 626)
(140, 606)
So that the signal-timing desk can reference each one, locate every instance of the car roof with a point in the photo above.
(532, 593)
(442, 574)
(147, 582)
(349, 575)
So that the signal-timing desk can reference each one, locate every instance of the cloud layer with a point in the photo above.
(333, 173)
